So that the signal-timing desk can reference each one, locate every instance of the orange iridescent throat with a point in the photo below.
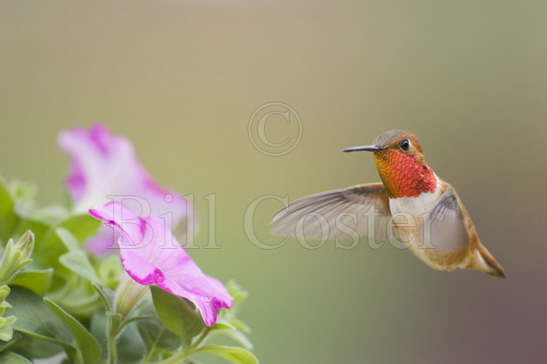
(403, 175)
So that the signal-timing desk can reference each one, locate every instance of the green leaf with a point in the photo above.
(130, 346)
(133, 319)
(177, 314)
(49, 215)
(237, 292)
(81, 226)
(38, 281)
(236, 336)
(68, 239)
(34, 317)
(219, 326)
(77, 296)
(78, 263)
(6, 331)
(35, 320)
(8, 219)
(89, 347)
(110, 270)
(239, 325)
(47, 247)
(156, 336)
(50, 245)
(13, 358)
(97, 327)
(105, 296)
(5, 346)
(227, 329)
(239, 295)
(230, 353)
(240, 338)
(37, 347)
(23, 192)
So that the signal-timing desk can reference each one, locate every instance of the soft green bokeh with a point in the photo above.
(182, 78)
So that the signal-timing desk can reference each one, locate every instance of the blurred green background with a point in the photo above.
(181, 80)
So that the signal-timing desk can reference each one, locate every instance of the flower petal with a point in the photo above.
(151, 255)
(104, 167)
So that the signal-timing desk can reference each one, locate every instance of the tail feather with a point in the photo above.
(487, 263)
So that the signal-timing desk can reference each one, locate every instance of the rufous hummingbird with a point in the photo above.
(423, 209)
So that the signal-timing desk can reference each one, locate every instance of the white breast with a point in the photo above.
(416, 206)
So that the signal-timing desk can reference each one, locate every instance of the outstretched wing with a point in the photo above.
(447, 224)
(343, 214)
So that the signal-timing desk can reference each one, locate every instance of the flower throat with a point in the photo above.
(403, 175)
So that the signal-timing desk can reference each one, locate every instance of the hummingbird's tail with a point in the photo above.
(485, 262)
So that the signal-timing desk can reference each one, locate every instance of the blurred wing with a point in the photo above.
(345, 214)
(447, 224)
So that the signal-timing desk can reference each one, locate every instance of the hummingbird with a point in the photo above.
(425, 212)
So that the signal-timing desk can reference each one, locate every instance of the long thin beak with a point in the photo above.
(366, 148)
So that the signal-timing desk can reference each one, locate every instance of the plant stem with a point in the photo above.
(200, 339)
(112, 355)
(177, 358)
(183, 354)
(112, 330)
(152, 348)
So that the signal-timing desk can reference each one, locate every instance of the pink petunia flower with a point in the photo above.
(150, 255)
(104, 167)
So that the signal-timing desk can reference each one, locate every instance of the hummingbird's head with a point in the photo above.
(401, 164)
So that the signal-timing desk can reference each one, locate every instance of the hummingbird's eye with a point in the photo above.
(404, 144)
